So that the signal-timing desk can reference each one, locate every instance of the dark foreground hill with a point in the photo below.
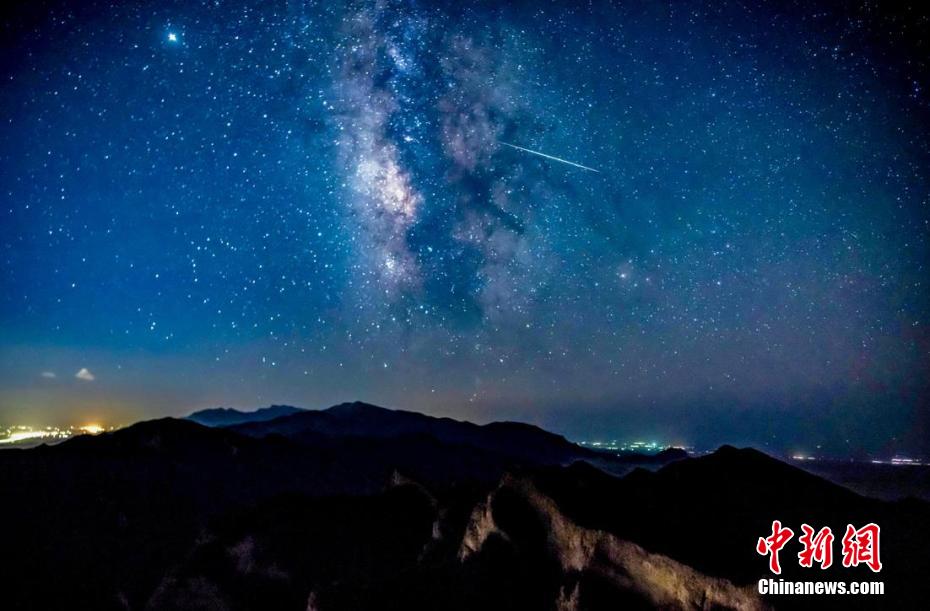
(340, 514)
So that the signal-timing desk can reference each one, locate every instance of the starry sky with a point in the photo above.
(228, 203)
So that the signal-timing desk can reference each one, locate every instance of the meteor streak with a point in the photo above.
(559, 159)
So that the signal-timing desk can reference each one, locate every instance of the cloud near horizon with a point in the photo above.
(85, 374)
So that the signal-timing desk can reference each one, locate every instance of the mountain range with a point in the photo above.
(227, 416)
(360, 507)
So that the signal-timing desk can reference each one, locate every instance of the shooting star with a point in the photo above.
(560, 160)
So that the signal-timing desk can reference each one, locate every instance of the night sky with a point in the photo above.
(224, 203)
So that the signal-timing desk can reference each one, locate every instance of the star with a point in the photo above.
(350, 187)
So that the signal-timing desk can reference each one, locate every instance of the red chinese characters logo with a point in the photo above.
(860, 546)
(772, 544)
(817, 548)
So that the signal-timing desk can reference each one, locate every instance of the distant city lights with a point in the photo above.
(896, 461)
(642, 447)
(902, 461)
(25, 436)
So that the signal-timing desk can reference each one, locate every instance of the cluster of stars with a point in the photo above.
(335, 201)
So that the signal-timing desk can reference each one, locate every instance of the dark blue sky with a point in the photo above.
(246, 203)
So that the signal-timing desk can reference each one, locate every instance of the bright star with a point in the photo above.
(172, 37)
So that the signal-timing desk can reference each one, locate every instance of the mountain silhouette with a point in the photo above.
(226, 416)
(360, 507)
(708, 511)
(354, 420)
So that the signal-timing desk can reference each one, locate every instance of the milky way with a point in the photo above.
(245, 203)
(438, 214)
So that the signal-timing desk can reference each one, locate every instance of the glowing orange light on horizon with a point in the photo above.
(93, 429)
